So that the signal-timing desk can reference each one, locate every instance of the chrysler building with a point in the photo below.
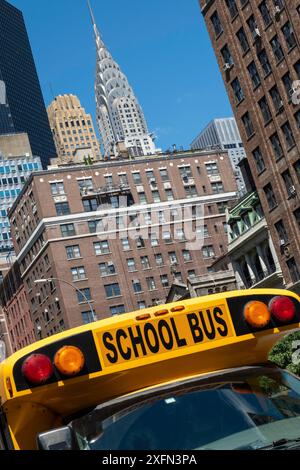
(119, 115)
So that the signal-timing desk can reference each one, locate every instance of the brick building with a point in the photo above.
(258, 51)
(16, 311)
(59, 232)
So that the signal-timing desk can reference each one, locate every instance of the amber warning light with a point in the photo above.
(258, 315)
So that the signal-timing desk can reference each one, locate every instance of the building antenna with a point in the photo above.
(91, 12)
(96, 31)
(51, 90)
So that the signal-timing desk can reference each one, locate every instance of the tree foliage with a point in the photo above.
(284, 353)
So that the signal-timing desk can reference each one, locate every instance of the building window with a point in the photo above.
(95, 226)
(123, 179)
(125, 244)
(62, 208)
(90, 205)
(231, 5)
(78, 273)
(260, 164)
(185, 173)
(151, 283)
(145, 262)
(270, 196)
(108, 180)
(264, 62)
(297, 169)
(297, 69)
(164, 280)
(192, 274)
(212, 168)
(288, 134)
(241, 35)
(107, 269)
(191, 191)
(248, 124)
(222, 206)
(254, 75)
(294, 272)
(143, 198)
(277, 147)
(57, 188)
(216, 23)
(154, 241)
(289, 35)
(85, 184)
(252, 26)
(297, 118)
(173, 258)
(288, 84)
(226, 54)
(217, 188)
(73, 252)
(141, 304)
(84, 295)
(277, 49)
(117, 310)
(156, 196)
(137, 177)
(286, 176)
(237, 90)
(265, 110)
(140, 242)
(208, 251)
(101, 247)
(131, 265)
(186, 256)
(68, 230)
(112, 290)
(159, 261)
(265, 13)
(281, 231)
(276, 98)
(297, 216)
(164, 174)
(87, 317)
(137, 286)
(169, 194)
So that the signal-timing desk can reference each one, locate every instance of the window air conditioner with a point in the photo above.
(227, 66)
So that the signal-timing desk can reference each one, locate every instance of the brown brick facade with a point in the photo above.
(260, 42)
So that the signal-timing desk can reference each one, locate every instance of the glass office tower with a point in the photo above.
(24, 107)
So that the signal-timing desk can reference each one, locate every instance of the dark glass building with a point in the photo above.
(24, 108)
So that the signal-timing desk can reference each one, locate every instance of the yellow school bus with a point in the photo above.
(183, 376)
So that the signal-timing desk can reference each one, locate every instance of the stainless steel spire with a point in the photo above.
(119, 115)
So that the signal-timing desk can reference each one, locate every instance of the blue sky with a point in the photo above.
(161, 45)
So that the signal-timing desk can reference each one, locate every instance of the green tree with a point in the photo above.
(282, 353)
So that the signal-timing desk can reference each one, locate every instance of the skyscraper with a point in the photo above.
(224, 134)
(120, 117)
(72, 127)
(257, 44)
(22, 107)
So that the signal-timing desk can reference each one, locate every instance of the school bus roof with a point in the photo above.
(142, 349)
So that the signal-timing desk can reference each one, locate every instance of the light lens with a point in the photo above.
(257, 314)
(283, 309)
(37, 369)
(69, 360)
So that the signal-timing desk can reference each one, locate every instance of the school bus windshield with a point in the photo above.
(241, 411)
